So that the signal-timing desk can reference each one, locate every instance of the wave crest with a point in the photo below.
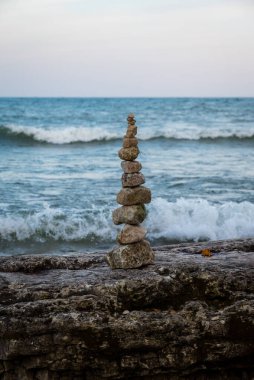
(56, 224)
(70, 135)
(198, 219)
(183, 220)
(58, 136)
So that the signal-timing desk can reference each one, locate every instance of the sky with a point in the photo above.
(111, 48)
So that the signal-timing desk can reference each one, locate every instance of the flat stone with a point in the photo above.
(134, 196)
(131, 256)
(129, 214)
(132, 180)
(131, 166)
(128, 142)
(132, 122)
(131, 131)
(131, 116)
(131, 234)
(128, 154)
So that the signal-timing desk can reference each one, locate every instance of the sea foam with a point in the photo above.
(60, 136)
(198, 219)
(183, 220)
(73, 134)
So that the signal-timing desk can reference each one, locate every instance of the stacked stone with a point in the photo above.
(133, 251)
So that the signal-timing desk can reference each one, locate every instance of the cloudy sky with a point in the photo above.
(126, 47)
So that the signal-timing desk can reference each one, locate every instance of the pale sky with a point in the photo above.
(127, 48)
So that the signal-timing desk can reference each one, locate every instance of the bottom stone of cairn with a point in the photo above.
(130, 256)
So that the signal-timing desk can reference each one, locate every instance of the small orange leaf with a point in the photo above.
(206, 252)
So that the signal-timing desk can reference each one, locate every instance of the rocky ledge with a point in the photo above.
(188, 316)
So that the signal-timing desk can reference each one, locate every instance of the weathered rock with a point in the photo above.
(131, 234)
(131, 131)
(133, 179)
(131, 116)
(128, 142)
(133, 196)
(129, 214)
(128, 154)
(131, 119)
(131, 256)
(131, 166)
(185, 317)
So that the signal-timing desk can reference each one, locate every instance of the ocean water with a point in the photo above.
(60, 172)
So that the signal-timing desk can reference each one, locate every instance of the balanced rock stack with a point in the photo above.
(133, 251)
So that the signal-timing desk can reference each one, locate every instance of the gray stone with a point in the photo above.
(131, 166)
(131, 234)
(128, 154)
(132, 180)
(133, 196)
(131, 256)
(129, 214)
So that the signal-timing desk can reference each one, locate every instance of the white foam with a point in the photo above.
(64, 136)
(198, 219)
(185, 219)
(176, 131)
(193, 132)
(56, 224)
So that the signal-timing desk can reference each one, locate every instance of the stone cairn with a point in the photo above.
(133, 251)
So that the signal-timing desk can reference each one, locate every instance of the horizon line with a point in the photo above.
(126, 97)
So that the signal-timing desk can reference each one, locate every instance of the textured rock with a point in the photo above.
(134, 196)
(129, 214)
(131, 166)
(128, 142)
(185, 317)
(131, 131)
(132, 180)
(128, 154)
(131, 234)
(130, 256)
(131, 116)
(131, 119)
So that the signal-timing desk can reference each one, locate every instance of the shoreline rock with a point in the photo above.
(187, 316)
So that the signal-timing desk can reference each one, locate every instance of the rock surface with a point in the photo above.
(128, 154)
(131, 131)
(131, 234)
(131, 256)
(132, 180)
(129, 214)
(131, 166)
(188, 316)
(128, 142)
(134, 196)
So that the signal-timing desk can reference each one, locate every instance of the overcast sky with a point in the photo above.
(126, 47)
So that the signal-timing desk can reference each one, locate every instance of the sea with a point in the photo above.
(60, 172)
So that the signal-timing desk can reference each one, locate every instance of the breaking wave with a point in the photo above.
(56, 136)
(70, 135)
(198, 219)
(57, 224)
(183, 220)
